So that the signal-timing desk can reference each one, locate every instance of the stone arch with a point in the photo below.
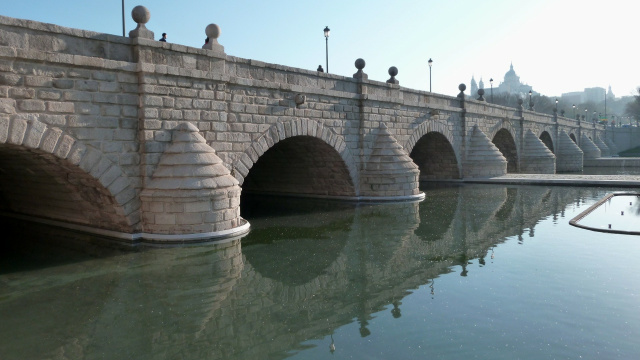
(76, 183)
(545, 137)
(504, 140)
(506, 126)
(435, 157)
(285, 130)
(573, 137)
(431, 126)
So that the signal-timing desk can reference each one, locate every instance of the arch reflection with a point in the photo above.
(307, 271)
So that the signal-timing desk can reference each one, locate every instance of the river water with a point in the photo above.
(474, 271)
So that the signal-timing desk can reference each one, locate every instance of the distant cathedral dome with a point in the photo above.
(510, 73)
(510, 85)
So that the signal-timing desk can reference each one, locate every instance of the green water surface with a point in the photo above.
(475, 271)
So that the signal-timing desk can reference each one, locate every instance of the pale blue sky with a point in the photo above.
(555, 46)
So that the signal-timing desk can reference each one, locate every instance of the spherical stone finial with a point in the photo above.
(480, 92)
(212, 31)
(462, 87)
(360, 74)
(520, 101)
(140, 14)
(393, 71)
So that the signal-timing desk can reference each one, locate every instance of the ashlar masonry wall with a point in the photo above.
(94, 116)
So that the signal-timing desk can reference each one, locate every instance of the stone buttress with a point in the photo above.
(604, 149)
(569, 157)
(483, 157)
(590, 150)
(191, 193)
(536, 157)
(389, 172)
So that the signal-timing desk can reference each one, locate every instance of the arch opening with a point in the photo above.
(300, 165)
(435, 157)
(507, 146)
(38, 184)
(547, 141)
(573, 137)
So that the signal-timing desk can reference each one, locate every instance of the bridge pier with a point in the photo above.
(569, 157)
(536, 158)
(191, 194)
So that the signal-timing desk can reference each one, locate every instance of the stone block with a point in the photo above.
(31, 105)
(108, 87)
(174, 207)
(129, 111)
(188, 219)
(127, 195)
(7, 106)
(152, 101)
(60, 107)
(34, 136)
(154, 206)
(10, 79)
(86, 85)
(103, 76)
(49, 94)
(197, 207)
(17, 131)
(165, 219)
(127, 99)
(105, 98)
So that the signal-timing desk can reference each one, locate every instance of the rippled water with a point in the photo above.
(476, 271)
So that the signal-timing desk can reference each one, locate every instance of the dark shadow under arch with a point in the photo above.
(300, 165)
(573, 137)
(37, 183)
(435, 157)
(507, 146)
(546, 139)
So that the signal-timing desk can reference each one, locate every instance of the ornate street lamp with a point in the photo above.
(326, 36)
(574, 110)
(530, 101)
(491, 82)
(430, 62)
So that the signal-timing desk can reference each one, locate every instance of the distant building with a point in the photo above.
(510, 85)
(474, 86)
(595, 94)
(574, 97)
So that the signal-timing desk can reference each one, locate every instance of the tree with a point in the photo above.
(633, 108)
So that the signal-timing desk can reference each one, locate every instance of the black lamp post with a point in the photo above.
(530, 101)
(491, 82)
(326, 36)
(605, 104)
(430, 62)
(556, 105)
(123, 18)
(574, 110)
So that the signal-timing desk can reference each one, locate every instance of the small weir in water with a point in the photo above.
(616, 213)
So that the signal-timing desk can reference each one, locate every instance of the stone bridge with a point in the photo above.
(149, 141)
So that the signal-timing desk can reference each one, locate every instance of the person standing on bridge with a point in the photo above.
(164, 37)
(320, 69)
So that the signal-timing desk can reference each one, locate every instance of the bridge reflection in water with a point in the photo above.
(308, 271)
